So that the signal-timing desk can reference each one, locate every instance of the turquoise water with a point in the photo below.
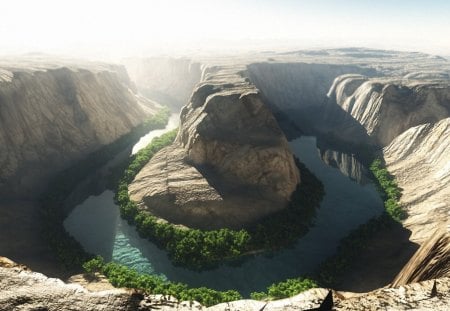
(96, 224)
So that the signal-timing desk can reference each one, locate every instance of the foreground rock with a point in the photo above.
(52, 115)
(230, 164)
(21, 289)
(431, 261)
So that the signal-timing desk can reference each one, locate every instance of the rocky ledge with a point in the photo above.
(21, 289)
(230, 164)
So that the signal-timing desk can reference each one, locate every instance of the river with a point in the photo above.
(350, 200)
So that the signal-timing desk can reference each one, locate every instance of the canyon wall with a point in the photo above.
(431, 261)
(386, 107)
(230, 164)
(52, 117)
(169, 81)
(419, 159)
(296, 92)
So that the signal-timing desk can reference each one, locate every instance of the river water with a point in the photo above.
(350, 200)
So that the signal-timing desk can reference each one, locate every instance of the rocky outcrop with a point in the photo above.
(386, 107)
(419, 160)
(21, 289)
(169, 81)
(51, 117)
(230, 164)
(431, 261)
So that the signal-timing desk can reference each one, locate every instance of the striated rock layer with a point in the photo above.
(230, 164)
(52, 117)
(431, 261)
(420, 161)
(386, 107)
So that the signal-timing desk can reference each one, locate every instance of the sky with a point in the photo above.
(113, 28)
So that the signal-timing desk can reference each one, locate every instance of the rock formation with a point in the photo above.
(431, 261)
(51, 117)
(230, 164)
(21, 289)
(386, 107)
(419, 159)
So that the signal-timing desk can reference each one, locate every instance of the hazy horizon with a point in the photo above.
(112, 29)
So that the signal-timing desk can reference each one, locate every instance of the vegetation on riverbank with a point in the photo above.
(352, 245)
(200, 249)
(69, 251)
(389, 190)
(285, 289)
(121, 276)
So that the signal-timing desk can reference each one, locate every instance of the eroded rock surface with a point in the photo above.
(420, 161)
(21, 289)
(51, 116)
(230, 164)
(386, 107)
(431, 261)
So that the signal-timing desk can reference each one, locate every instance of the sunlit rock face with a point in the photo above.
(169, 81)
(386, 107)
(431, 261)
(420, 161)
(52, 116)
(230, 164)
(21, 289)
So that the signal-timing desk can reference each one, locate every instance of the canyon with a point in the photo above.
(231, 163)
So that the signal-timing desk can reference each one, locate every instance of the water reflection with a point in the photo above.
(347, 204)
(347, 164)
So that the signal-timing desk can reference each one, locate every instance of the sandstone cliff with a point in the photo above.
(169, 81)
(230, 164)
(386, 107)
(431, 261)
(419, 159)
(51, 117)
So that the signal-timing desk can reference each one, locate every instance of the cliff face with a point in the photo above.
(431, 261)
(50, 118)
(296, 86)
(169, 81)
(419, 160)
(387, 107)
(230, 164)
(296, 92)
